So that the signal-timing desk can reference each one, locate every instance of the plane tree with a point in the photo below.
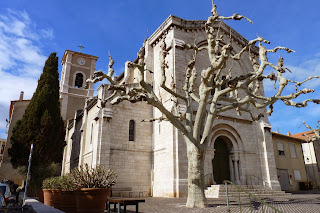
(213, 89)
(315, 134)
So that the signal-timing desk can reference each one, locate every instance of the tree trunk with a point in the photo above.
(196, 197)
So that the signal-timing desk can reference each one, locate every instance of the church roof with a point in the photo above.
(302, 136)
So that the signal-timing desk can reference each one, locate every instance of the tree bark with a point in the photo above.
(196, 197)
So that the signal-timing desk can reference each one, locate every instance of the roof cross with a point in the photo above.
(80, 47)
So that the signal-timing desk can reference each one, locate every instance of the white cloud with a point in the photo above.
(47, 33)
(21, 59)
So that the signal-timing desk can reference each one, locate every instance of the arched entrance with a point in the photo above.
(220, 162)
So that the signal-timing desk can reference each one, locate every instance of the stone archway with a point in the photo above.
(220, 162)
(236, 162)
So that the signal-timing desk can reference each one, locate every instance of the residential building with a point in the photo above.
(289, 161)
(311, 152)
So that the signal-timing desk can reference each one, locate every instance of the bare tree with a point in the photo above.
(213, 89)
(315, 135)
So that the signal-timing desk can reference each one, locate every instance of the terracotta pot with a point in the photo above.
(47, 197)
(92, 200)
(68, 202)
(56, 198)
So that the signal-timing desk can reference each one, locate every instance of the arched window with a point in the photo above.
(131, 130)
(79, 80)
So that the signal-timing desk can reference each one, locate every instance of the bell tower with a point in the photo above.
(76, 68)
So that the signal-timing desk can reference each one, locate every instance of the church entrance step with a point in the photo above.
(219, 191)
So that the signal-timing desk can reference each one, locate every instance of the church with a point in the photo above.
(150, 157)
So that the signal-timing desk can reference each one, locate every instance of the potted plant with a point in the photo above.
(51, 188)
(68, 195)
(94, 187)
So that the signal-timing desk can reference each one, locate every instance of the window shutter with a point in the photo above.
(280, 146)
(297, 175)
(292, 148)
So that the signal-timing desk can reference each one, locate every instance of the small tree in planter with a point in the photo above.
(51, 188)
(94, 187)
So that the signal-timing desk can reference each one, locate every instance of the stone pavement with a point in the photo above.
(299, 203)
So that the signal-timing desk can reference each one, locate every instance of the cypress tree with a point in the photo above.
(41, 125)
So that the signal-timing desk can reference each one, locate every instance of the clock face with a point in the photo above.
(81, 61)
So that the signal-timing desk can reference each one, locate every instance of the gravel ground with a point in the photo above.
(300, 203)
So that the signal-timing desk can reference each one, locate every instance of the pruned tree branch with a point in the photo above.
(163, 54)
(316, 133)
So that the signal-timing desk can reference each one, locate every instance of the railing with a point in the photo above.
(208, 179)
(254, 180)
(251, 196)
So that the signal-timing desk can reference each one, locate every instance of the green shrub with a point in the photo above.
(67, 183)
(51, 183)
(59, 182)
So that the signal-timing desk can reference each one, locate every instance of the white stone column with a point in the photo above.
(270, 171)
(236, 171)
(231, 169)
(209, 165)
(242, 168)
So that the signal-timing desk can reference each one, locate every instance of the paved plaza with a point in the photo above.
(300, 203)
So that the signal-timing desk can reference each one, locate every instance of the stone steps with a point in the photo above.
(219, 191)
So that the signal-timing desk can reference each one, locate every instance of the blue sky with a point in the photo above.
(31, 29)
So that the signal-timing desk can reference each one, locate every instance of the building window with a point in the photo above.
(79, 80)
(131, 130)
(297, 175)
(292, 148)
(280, 148)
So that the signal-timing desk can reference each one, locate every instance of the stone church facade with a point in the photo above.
(150, 158)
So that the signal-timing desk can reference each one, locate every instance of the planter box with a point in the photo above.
(68, 201)
(92, 200)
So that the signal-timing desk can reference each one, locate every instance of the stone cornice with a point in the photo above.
(74, 95)
(239, 120)
(92, 102)
(79, 66)
(131, 150)
(76, 53)
(191, 25)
